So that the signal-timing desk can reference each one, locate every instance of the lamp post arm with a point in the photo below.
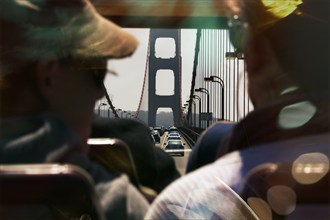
(218, 78)
(99, 108)
(222, 94)
(204, 90)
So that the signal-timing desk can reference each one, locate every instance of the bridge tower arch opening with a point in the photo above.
(160, 63)
(164, 117)
(165, 82)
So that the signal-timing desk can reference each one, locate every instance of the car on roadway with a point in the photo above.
(160, 129)
(155, 134)
(173, 129)
(174, 136)
(174, 147)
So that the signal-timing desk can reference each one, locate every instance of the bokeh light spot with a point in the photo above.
(310, 168)
(296, 115)
(260, 207)
(282, 199)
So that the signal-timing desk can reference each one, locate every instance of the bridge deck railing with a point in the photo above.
(190, 135)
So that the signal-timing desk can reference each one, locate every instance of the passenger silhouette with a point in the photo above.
(53, 59)
(286, 46)
(208, 145)
(155, 168)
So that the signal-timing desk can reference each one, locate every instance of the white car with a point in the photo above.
(174, 136)
(174, 147)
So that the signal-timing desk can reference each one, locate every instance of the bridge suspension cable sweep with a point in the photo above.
(214, 60)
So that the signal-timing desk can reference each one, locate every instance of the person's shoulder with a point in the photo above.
(121, 200)
(212, 137)
(222, 126)
(288, 150)
(188, 197)
(182, 188)
(279, 151)
(217, 130)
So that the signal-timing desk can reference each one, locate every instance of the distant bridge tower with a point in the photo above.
(157, 63)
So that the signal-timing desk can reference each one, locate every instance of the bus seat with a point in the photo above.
(288, 190)
(116, 157)
(47, 191)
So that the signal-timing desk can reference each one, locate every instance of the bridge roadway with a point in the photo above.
(180, 162)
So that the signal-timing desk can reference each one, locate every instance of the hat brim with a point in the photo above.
(99, 37)
(60, 29)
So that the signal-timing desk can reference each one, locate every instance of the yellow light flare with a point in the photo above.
(281, 8)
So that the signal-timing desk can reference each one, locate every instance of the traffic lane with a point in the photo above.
(181, 162)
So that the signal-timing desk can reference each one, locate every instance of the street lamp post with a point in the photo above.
(183, 108)
(118, 110)
(121, 115)
(189, 118)
(194, 103)
(99, 108)
(220, 81)
(185, 112)
(203, 90)
(200, 109)
(190, 114)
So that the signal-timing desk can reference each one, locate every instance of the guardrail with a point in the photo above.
(189, 135)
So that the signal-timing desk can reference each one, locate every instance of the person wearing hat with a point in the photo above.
(53, 59)
(286, 50)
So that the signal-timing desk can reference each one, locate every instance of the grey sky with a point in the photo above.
(125, 89)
